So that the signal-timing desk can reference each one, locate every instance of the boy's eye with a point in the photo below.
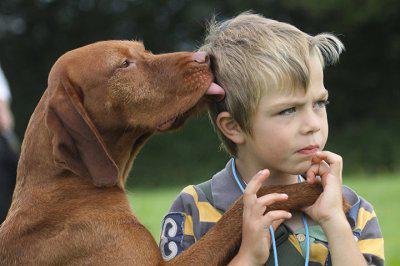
(321, 104)
(288, 111)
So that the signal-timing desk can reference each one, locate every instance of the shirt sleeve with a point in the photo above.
(177, 231)
(4, 88)
(370, 239)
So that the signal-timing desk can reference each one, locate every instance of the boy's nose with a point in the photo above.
(311, 124)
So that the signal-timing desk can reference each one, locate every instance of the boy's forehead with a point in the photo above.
(295, 96)
(289, 91)
(285, 93)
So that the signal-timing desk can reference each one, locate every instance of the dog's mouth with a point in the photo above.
(213, 93)
(167, 124)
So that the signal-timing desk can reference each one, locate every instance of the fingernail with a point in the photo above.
(285, 195)
(290, 215)
(262, 172)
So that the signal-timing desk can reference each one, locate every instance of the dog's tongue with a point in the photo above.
(217, 93)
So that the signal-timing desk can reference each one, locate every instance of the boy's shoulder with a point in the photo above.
(356, 201)
(220, 191)
(192, 196)
(361, 215)
(365, 226)
(189, 218)
(196, 209)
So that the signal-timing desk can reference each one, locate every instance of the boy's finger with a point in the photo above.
(269, 199)
(334, 161)
(312, 172)
(255, 183)
(260, 207)
(324, 171)
(272, 216)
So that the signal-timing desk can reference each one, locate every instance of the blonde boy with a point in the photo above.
(274, 118)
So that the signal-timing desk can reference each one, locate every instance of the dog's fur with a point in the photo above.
(69, 205)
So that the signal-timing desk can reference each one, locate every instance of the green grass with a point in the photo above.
(383, 192)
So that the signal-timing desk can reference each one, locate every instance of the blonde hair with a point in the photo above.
(252, 55)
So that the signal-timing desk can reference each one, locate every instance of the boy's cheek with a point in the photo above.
(325, 133)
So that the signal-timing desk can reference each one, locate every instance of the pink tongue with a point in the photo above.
(216, 91)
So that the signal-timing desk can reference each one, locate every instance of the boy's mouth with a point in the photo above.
(311, 149)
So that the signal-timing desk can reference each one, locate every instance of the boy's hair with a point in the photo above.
(252, 55)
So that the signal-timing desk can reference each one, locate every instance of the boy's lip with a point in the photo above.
(311, 149)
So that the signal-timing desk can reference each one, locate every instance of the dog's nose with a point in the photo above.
(201, 57)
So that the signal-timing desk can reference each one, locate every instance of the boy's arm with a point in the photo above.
(342, 245)
(369, 237)
(328, 209)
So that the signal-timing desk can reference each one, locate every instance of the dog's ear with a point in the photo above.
(77, 144)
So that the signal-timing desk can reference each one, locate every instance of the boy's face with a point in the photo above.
(286, 123)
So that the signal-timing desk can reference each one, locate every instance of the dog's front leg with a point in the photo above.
(222, 241)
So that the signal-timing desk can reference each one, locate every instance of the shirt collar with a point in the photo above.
(224, 189)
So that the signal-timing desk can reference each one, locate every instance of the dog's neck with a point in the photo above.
(36, 164)
(123, 147)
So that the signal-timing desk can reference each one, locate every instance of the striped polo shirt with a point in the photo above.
(192, 215)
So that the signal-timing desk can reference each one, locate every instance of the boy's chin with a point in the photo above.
(301, 168)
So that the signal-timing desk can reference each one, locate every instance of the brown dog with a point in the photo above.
(102, 103)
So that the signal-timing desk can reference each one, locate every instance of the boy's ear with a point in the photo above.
(230, 128)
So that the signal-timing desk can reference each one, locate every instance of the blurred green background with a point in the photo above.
(364, 112)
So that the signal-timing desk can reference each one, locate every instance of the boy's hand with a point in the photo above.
(329, 205)
(256, 239)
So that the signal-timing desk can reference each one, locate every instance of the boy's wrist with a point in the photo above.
(243, 258)
(335, 224)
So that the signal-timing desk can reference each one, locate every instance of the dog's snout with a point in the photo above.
(201, 57)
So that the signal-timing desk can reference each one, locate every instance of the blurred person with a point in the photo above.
(273, 122)
(9, 151)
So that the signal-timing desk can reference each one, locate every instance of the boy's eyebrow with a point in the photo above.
(284, 103)
(323, 94)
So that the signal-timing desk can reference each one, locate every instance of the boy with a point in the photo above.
(274, 118)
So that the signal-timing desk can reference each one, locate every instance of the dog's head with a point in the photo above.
(120, 86)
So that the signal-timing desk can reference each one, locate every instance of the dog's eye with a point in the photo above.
(125, 64)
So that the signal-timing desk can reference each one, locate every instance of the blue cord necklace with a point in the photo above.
(271, 230)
